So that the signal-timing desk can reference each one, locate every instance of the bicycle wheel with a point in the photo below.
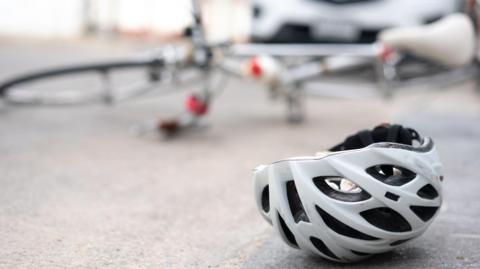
(87, 83)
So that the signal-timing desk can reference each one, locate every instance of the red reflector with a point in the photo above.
(196, 106)
(256, 68)
(386, 53)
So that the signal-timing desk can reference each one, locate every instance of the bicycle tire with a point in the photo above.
(152, 66)
(84, 68)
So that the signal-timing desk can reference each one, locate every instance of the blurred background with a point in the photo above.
(75, 19)
(264, 20)
(79, 189)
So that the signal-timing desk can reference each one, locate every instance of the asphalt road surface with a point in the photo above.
(79, 190)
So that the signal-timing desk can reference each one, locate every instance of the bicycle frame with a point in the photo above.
(208, 58)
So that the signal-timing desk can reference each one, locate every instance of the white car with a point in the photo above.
(306, 21)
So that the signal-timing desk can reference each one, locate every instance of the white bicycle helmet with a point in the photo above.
(368, 195)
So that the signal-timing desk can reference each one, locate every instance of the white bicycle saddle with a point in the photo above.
(450, 41)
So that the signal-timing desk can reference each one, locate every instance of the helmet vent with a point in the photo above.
(399, 242)
(424, 212)
(391, 175)
(339, 188)
(266, 199)
(359, 253)
(296, 206)
(392, 196)
(322, 247)
(386, 219)
(341, 228)
(428, 192)
(286, 232)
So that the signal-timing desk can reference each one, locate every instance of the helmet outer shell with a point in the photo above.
(270, 186)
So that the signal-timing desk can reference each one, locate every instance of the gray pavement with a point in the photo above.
(78, 190)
